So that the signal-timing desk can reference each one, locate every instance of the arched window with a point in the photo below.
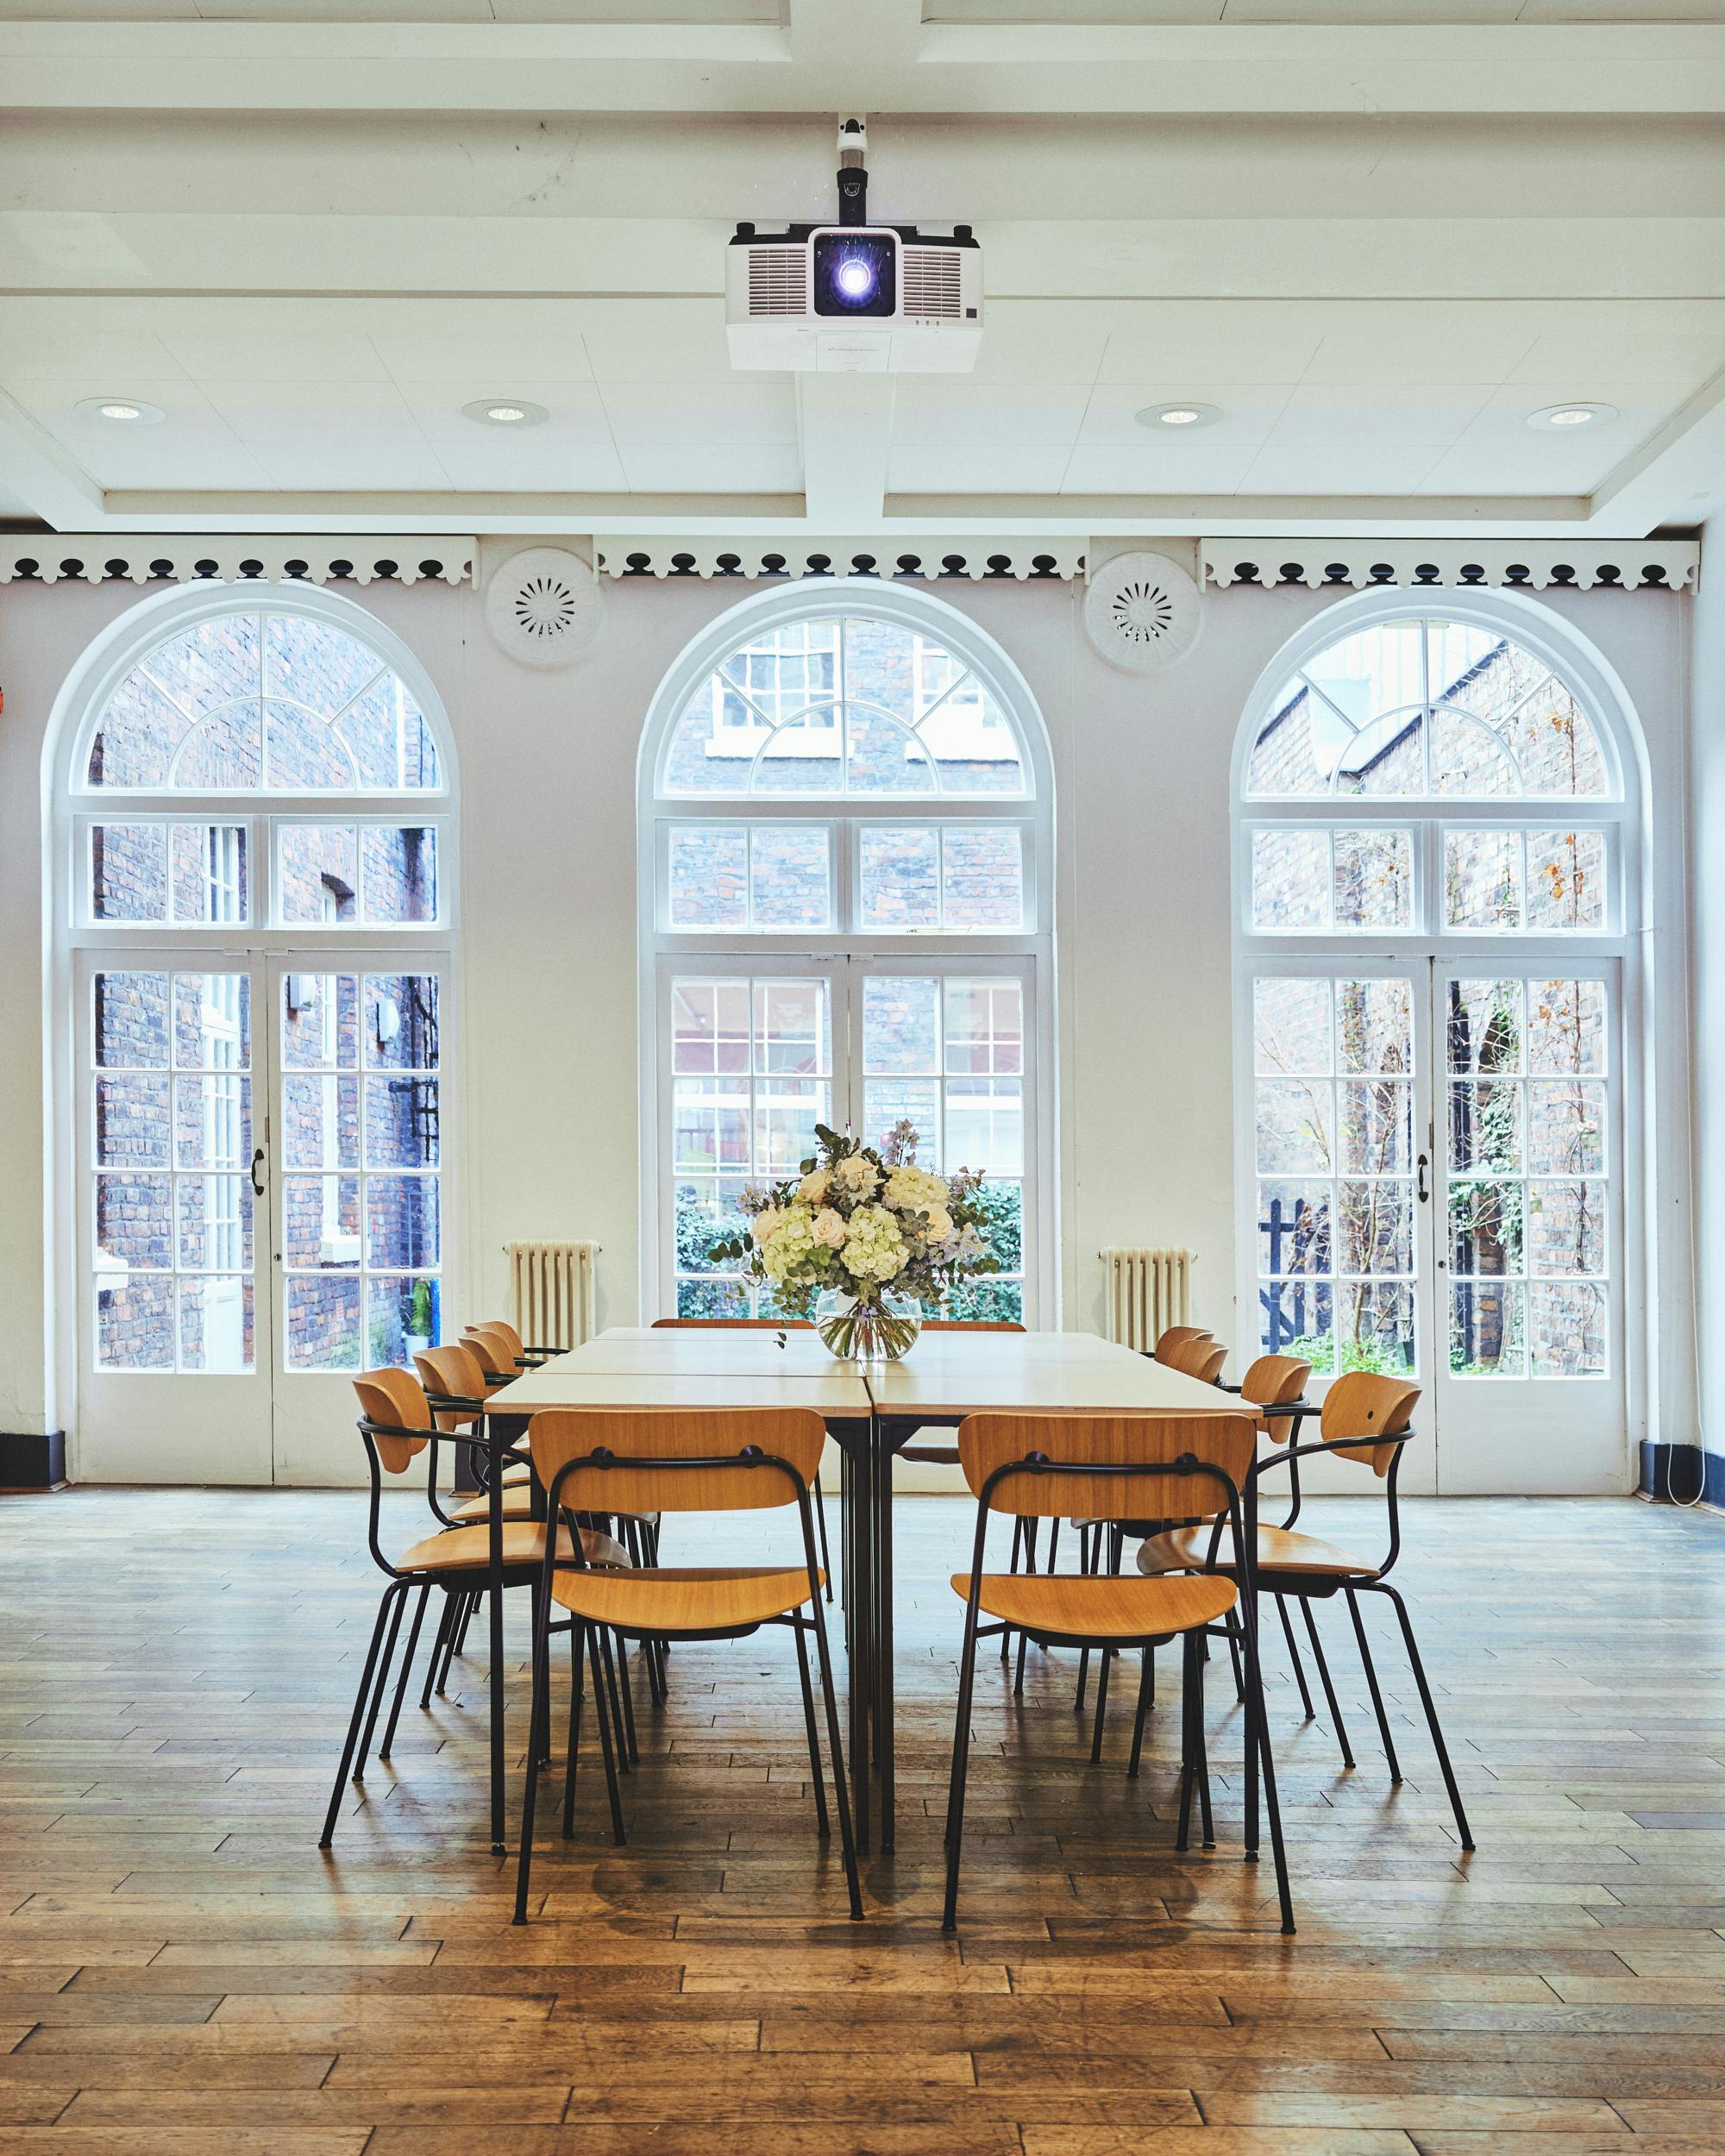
(259, 902)
(1438, 877)
(844, 866)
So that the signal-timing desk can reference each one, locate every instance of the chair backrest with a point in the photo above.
(986, 1442)
(394, 1400)
(503, 1328)
(1365, 1405)
(1173, 1337)
(561, 1434)
(1271, 1382)
(452, 1368)
(1197, 1358)
(490, 1351)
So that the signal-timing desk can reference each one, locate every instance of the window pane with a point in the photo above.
(213, 1120)
(1565, 1228)
(1375, 1323)
(1295, 1131)
(401, 1223)
(320, 1021)
(320, 1121)
(900, 871)
(1294, 1227)
(1566, 1028)
(134, 1317)
(1376, 1127)
(710, 1026)
(324, 1322)
(901, 1027)
(1566, 1327)
(1375, 1226)
(1487, 1336)
(985, 1026)
(709, 876)
(1565, 1127)
(399, 1032)
(1486, 1229)
(1484, 1024)
(1485, 1134)
(398, 872)
(402, 1124)
(321, 1218)
(134, 1220)
(215, 1222)
(1483, 879)
(216, 1323)
(317, 871)
(790, 878)
(1567, 879)
(792, 1032)
(128, 872)
(1290, 878)
(211, 877)
(212, 1021)
(403, 1315)
(982, 879)
(1374, 879)
(132, 1122)
(1375, 1025)
(1291, 1025)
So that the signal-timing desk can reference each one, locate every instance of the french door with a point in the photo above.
(753, 1055)
(259, 1204)
(1438, 1189)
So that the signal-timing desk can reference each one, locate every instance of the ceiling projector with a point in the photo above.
(853, 298)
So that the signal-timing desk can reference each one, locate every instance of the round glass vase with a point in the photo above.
(868, 1328)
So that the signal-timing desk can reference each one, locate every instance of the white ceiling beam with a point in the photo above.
(1677, 477)
(855, 55)
(846, 421)
(126, 509)
(34, 468)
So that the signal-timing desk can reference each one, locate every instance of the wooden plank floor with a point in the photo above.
(181, 1971)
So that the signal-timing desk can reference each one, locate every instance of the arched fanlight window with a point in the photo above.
(844, 848)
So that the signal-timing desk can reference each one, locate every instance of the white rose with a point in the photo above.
(939, 1229)
(812, 1189)
(766, 1224)
(830, 1230)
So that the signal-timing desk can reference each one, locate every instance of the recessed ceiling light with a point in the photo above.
(1177, 416)
(123, 412)
(1560, 418)
(505, 412)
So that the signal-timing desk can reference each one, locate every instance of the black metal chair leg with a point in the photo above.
(820, 1529)
(461, 1640)
(1382, 1587)
(1107, 1655)
(406, 1672)
(578, 1632)
(1201, 1746)
(1017, 1673)
(602, 1711)
(1240, 1674)
(961, 1769)
(614, 1688)
(1189, 1664)
(444, 1621)
(538, 1727)
(1257, 1729)
(359, 1700)
(1146, 1690)
(1012, 1566)
(1089, 1556)
(1294, 1656)
(815, 1775)
(380, 1687)
(1329, 1689)
(462, 1609)
(1366, 1663)
(841, 1790)
(1249, 1832)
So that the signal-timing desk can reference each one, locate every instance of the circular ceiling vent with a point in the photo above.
(543, 606)
(1142, 611)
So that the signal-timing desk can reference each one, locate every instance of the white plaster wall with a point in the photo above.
(550, 1114)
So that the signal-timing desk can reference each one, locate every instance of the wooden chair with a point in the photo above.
(397, 1424)
(1175, 1336)
(601, 1460)
(1202, 1359)
(1035, 1466)
(526, 1357)
(762, 1325)
(1366, 1418)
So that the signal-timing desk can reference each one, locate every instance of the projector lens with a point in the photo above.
(855, 273)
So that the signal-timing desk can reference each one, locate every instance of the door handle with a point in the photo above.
(257, 1162)
(1424, 1193)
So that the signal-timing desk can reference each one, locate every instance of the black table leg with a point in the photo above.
(494, 1581)
(883, 1632)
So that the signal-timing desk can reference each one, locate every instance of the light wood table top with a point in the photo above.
(567, 1383)
(698, 1351)
(951, 1374)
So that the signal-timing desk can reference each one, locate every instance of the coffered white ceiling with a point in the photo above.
(1375, 236)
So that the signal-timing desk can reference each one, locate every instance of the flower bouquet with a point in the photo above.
(861, 1239)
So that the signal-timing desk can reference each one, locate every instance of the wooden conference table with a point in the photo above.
(871, 1410)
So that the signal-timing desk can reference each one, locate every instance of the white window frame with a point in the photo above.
(1620, 813)
(73, 806)
(1028, 952)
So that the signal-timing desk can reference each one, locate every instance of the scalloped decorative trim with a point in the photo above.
(1627, 565)
(53, 557)
(876, 557)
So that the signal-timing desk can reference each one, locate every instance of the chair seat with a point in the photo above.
(518, 1504)
(684, 1598)
(1279, 1551)
(1103, 1608)
(468, 1549)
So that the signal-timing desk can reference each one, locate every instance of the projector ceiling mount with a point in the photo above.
(853, 298)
